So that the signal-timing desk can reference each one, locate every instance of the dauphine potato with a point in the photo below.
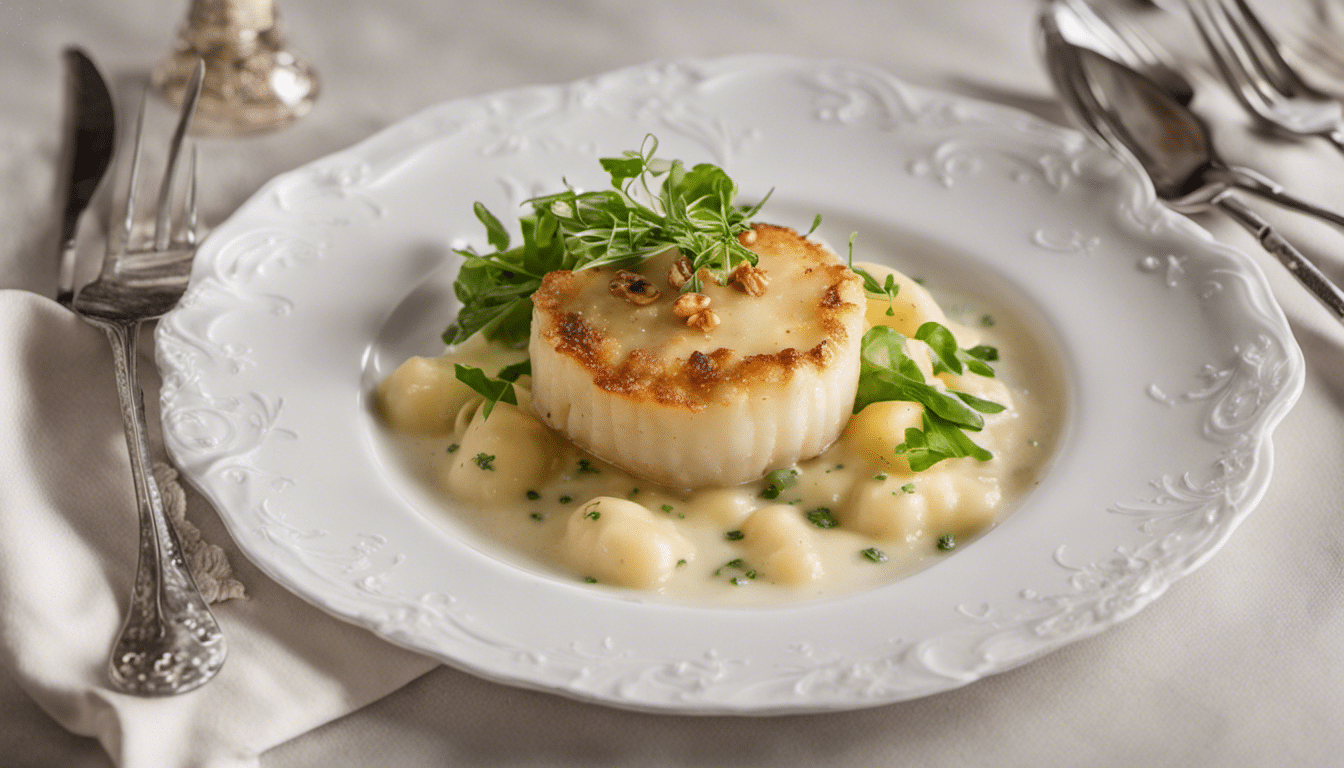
(621, 542)
(423, 396)
(781, 545)
(913, 306)
(501, 457)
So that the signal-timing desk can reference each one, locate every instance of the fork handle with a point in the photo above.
(1306, 273)
(170, 642)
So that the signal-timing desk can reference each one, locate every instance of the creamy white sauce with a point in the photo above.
(721, 555)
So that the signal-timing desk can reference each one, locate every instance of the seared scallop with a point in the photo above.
(712, 388)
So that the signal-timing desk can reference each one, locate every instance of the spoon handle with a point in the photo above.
(1250, 181)
(1306, 273)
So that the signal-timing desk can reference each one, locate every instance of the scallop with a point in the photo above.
(641, 379)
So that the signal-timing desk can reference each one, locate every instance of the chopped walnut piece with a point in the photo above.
(704, 320)
(688, 304)
(680, 273)
(633, 287)
(750, 280)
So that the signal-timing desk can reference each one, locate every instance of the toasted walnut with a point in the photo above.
(704, 320)
(633, 287)
(680, 273)
(750, 280)
(688, 304)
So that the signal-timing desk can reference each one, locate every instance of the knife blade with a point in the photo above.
(90, 140)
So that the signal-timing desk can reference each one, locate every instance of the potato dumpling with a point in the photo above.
(503, 456)
(912, 307)
(620, 542)
(958, 503)
(782, 545)
(879, 428)
(891, 509)
(423, 396)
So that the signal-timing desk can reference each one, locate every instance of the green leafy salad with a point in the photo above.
(694, 211)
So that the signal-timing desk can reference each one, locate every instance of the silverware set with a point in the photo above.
(1129, 94)
(170, 642)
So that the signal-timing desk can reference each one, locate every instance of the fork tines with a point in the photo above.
(163, 235)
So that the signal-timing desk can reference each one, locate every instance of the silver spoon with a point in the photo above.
(1134, 117)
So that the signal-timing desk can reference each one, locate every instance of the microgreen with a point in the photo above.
(889, 289)
(692, 210)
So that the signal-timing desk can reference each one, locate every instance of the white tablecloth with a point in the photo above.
(1238, 664)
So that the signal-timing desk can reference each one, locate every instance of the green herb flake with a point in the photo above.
(908, 487)
(453, 448)
(681, 562)
(537, 516)
(533, 495)
(592, 514)
(777, 481)
(589, 580)
(739, 581)
(566, 499)
(882, 478)
(947, 542)
(874, 554)
(987, 321)
(586, 467)
(735, 535)
(822, 517)
(667, 507)
(485, 461)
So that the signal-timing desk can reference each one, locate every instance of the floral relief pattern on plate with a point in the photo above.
(267, 370)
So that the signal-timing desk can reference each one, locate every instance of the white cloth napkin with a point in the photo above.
(67, 556)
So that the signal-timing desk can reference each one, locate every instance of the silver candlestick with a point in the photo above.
(253, 82)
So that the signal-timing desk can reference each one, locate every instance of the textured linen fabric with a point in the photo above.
(67, 555)
(1238, 664)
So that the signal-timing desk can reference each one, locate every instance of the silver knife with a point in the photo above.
(90, 138)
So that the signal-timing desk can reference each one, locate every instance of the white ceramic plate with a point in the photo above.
(1178, 365)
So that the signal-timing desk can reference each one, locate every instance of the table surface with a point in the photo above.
(1237, 664)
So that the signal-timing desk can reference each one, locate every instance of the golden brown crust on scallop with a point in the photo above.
(695, 380)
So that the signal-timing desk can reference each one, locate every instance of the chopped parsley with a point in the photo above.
(735, 535)
(586, 467)
(592, 514)
(452, 448)
(537, 516)
(874, 554)
(947, 542)
(533, 495)
(822, 517)
(667, 507)
(566, 499)
(485, 461)
(777, 481)
(908, 487)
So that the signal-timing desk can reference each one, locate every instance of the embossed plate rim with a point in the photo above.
(265, 412)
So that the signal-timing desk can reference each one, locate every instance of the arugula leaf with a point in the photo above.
(493, 390)
(870, 284)
(947, 356)
(886, 372)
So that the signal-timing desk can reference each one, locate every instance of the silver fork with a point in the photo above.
(170, 642)
(1250, 61)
